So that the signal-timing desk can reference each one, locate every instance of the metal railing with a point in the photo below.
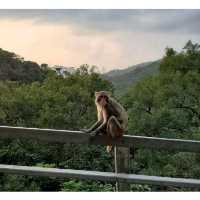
(65, 136)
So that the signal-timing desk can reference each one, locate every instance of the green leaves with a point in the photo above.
(168, 105)
(185, 61)
(14, 68)
(57, 102)
(86, 186)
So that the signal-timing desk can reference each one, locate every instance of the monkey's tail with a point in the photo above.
(109, 148)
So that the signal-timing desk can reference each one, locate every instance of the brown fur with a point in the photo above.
(112, 114)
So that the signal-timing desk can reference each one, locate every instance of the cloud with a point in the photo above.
(106, 38)
(59, 45)
(113, 20)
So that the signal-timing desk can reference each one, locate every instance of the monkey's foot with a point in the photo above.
(109, 149)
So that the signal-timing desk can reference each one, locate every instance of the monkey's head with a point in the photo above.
(102, 98)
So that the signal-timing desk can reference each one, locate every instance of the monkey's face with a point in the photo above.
(102, 98)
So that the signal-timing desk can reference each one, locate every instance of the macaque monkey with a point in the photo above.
(112, 117)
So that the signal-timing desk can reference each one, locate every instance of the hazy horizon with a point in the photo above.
(109, 39)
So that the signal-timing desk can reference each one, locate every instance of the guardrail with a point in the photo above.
(79, 137)
(101, 176)
(121, 156)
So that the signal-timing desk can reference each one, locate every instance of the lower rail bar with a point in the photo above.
(101, 176)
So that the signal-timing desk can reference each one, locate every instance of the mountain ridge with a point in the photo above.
(123, 78)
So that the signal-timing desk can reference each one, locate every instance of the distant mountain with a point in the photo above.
(123, 78)
(15, 68)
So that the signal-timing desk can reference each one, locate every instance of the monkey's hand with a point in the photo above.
(94, 133)
(86, 130)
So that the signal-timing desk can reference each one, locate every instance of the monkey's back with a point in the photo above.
(119, 112)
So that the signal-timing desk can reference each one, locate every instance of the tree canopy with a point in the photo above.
(15, 68)
(168, 105)
(164, 105)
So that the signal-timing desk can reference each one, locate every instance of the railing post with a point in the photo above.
(122, 163)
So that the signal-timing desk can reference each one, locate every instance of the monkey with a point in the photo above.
(112, 117)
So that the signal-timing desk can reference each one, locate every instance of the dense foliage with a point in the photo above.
(15, 68)
(168, 105)
(163, 105)
(57, 102)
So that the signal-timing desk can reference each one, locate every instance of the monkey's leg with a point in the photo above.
(114, 128)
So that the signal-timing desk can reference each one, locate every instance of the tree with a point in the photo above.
(167, 105)
(14, 68)
(187, 60)
(57, 102)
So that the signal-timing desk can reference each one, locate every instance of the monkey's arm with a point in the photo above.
(94, 126)
(98, 129)
(98, 123)
(102, 125)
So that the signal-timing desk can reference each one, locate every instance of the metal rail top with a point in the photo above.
(79, 137)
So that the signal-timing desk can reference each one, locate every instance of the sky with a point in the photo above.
(109, 39)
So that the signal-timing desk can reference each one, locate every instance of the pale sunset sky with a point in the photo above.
(109, 39)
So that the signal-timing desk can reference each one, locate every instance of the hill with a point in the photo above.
(15, 68)
(123, 78)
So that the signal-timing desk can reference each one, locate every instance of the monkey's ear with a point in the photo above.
(108, 93)
(96, 94)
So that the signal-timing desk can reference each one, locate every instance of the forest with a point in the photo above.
(165, 104)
